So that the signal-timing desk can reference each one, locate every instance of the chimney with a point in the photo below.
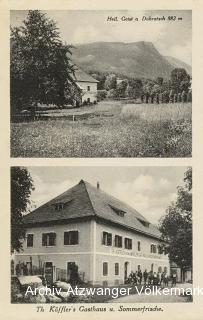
(98, 186)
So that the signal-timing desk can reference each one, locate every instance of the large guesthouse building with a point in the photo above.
(85, 227)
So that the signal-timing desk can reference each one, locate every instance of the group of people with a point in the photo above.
(152, 278)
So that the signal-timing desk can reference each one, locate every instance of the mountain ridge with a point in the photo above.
(135, 59)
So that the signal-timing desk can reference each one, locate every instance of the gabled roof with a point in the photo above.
(85, 201)
(81, 76)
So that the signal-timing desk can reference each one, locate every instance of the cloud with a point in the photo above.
(148, 195)
(47, 191)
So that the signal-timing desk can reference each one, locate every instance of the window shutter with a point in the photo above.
(44, 238)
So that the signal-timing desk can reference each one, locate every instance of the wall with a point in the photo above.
(60, 254)
(134, 258)
(90, 254)
(92, 94)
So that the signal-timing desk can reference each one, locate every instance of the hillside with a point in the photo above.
(176, 63)
(137, 59)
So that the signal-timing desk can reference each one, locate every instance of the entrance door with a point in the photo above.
(72, 271)
(48, 271)
(126, 271)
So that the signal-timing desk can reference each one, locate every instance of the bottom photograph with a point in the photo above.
(101, 234)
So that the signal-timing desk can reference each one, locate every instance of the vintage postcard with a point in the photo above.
(101, 159)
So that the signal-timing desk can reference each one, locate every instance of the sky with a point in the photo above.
(150, 190)
(171, 38)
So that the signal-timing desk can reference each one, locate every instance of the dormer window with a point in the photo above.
(119, 212)
(144, 223)
(59, 206)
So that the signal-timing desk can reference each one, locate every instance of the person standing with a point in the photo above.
(145, 276)
(174, 279)
(140, 276)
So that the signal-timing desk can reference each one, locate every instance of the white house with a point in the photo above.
(88, 228)
(88, 85)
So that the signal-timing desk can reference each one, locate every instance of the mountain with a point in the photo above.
(176, 63)
(137, 59)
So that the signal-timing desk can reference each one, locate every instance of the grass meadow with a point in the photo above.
(108, 129)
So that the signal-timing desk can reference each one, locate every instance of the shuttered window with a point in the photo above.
(30, 238)
(153, 248)
(116, 269)
(71, 238)
(118, 241)
(49, 239)
(105, 268)
(128, 243)
(106, 238)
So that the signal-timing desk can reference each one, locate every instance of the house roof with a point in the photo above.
(83, 201)
(81, 76)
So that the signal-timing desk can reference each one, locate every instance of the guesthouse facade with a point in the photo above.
(86, 227)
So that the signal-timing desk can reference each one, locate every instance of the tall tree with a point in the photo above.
(134, 89)
(40, 62)
(21, 188)
(176, 225)
(110, 82)
(180, 80)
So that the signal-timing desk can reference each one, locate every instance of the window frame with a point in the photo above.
(139, 249)
(106, 243)
(153, 248)
(107, 268)
(128, 241)
(30, 234)
(116, 269)
(48, 233)
(68, 231)
(115, 242)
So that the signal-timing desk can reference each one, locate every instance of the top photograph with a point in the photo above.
(100, 84)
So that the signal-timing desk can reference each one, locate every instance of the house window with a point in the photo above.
(128, 243)
(159, 269)
(138, 246)
(30, 240)
(49, 239)
(59, 206)
(88, 88)
(71, 238)
(160, 249)
(106, 238)
(105, 268)
(153, 248)
(116, 269)
(118, 241)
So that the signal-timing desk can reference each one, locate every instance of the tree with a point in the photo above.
(180, 80)
(41, 69)
(134, 89)
(110, 82)
(101, 95)
(21, 188)
(176, 225)
(121, 88)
